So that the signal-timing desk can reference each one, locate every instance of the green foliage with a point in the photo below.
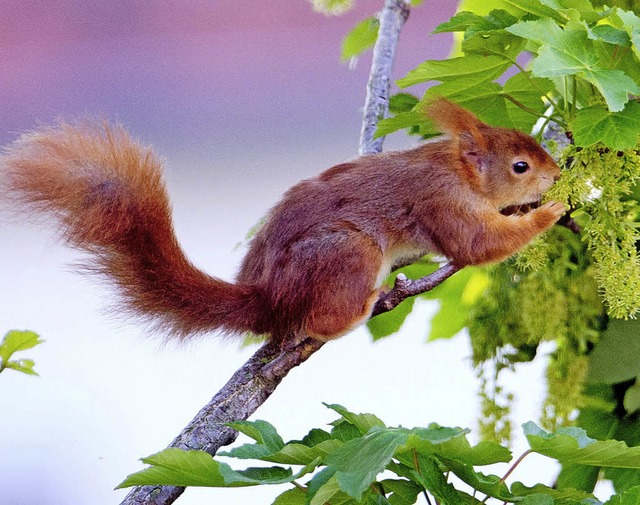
(342, 466)
(583, 68)
(596, 124)
(615, 358)
(523, 308)
(15, 341)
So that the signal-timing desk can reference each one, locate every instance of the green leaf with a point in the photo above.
(616, 357)
(614, 85)
(452, 444)
(538, 499)
(573, 52)
(471, 23)
(262, 432)
(448, 321)
(617, 130)
(629, 497)
(398, 122)
(403, 492)
(563, 52)
(270, 447)
(359, 461)
(473, 67)
(363, 422)
(294, 496)
(402, 102)
(629, 22)
(496, 43)
(22, 365)
(575, 9)
(330, 492)
(622, 479)
(536, 8)
(15, 341)
(461, 22)
(362, 37)
(611, 35)
(527, 91)
(177, 467)
(388, 323)
(572, 495)
(322, 484)
(484, 99)
(490, 485)
(578, 477)
(456, 297)
(572, 445)
(631, 401)
(432, 478)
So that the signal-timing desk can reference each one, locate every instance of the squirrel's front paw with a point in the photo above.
(557, 209)
(546, 215)
(549, 213)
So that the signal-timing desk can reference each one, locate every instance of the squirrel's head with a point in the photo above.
(506, 166)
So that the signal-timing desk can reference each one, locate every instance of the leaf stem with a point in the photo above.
(299, 486)
(534, 84)
(414, 453)
(515, 464)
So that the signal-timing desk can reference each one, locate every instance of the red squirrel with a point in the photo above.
(316, 266)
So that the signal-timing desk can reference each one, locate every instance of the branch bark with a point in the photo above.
(376, 106)
(253, 383)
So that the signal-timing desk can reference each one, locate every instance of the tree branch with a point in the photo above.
(376, 106)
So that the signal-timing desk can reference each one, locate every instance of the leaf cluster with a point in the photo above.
(602, 185)
(362, 461)
(523, 308)
(15, 341)
(566, 61)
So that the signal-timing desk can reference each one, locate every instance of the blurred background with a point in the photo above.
(242, 100)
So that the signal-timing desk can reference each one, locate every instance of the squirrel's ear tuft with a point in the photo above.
(456, 121)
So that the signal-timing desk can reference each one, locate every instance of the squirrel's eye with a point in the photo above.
(520, 167)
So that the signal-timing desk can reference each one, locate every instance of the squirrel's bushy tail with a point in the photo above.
(107, 193)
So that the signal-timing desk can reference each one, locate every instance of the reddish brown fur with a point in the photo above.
(317, 263)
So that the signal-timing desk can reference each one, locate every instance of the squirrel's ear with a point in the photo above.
(456, 121)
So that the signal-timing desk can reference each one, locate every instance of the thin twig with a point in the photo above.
(404, 288)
